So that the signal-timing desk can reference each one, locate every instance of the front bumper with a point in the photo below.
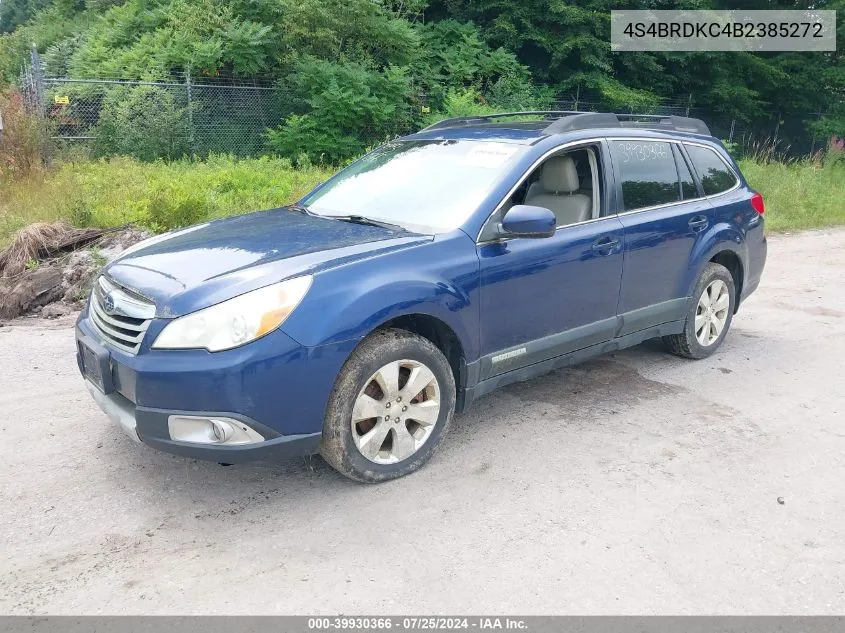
(118, 409)
(275, 386)
(150, 427)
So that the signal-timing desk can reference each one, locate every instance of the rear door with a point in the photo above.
(664, 216)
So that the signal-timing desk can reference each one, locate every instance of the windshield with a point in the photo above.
(423, 186)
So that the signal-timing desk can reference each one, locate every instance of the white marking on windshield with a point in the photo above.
(488, 155)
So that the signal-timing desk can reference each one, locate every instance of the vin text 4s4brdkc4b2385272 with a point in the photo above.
(475, 253)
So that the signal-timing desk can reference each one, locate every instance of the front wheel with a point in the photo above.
(709, 317)
(390, 408)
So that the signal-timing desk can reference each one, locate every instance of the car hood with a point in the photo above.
(193, 268)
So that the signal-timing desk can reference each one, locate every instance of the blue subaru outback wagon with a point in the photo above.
(475, 253)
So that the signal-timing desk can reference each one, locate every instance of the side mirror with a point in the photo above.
(523, 220)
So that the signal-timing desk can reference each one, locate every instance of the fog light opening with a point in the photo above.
(207, 430)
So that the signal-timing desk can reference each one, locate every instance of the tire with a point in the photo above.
(362, 388)
(689, 344)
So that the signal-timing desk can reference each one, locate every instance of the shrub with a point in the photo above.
(515, 93)
(309, 137)
(144, 122)
(343, 109)
(470, 102)
(734, 148)
(466, 102)
(173, 208)
(23, 139)
(835, 154)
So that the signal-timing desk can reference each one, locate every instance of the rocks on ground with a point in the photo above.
(48, 270)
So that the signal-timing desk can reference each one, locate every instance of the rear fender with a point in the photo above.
(720, 237)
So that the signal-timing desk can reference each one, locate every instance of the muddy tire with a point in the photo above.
(709, 315)
(390, 407)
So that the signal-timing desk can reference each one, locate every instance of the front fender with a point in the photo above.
(438, 279)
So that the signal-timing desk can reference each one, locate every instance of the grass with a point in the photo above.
(799, 195)
(156, 195)
(160, 196)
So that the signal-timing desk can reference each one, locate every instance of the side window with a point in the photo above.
(569, 184)
(715, 175)
(688, 189)
(647, 171)
(564, 185)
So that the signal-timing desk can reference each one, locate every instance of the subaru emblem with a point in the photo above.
(108, 304)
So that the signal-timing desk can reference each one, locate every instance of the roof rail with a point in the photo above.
(581, 121)
(570, 120)
(665, 122)
(461, 121)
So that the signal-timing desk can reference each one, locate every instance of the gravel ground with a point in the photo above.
(636, 483)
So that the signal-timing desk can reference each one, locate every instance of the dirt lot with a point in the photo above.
(637, 483)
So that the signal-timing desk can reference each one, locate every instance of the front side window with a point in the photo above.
(569, 184)
(716, 176)
(648, 174)
(423, 186)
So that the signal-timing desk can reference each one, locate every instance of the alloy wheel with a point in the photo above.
(396, 411)
(711, 314)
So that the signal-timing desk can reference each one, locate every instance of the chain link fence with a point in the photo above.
(150, 119)
(172, 118)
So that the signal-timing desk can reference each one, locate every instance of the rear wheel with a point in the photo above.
(390, 407)
(709, 317)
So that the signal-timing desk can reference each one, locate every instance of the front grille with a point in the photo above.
(120, 317)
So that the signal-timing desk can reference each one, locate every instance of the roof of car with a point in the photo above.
(527, 128)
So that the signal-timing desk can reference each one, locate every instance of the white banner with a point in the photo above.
(808, 30)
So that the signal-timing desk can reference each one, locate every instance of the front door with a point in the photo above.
(542, 298)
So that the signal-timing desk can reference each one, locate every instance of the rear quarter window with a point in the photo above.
(688, 188)
(716, 176)
(647, 172)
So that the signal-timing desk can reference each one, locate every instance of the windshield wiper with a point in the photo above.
(360, 219)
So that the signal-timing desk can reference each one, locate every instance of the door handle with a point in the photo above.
(698, 223)
(605, 245)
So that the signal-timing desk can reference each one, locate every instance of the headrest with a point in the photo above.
(559, 175)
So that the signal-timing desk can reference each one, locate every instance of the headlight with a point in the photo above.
(237, 321)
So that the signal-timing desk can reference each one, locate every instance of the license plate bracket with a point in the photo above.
(95, 363)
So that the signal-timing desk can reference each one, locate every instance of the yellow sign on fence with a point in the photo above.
(63, 100)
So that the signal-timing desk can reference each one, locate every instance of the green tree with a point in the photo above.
(342, 109)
